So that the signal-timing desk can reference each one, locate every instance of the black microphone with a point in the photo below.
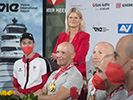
(74, 93)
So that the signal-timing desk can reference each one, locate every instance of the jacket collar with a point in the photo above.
(30, 59)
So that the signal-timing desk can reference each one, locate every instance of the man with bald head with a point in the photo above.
(60, 81)
(100, 82)
(120, 68)
(100, 50)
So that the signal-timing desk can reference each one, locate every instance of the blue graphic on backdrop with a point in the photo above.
(125, 28)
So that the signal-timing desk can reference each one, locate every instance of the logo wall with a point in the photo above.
(105, 20)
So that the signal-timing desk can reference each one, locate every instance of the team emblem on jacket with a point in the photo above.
(20, 70)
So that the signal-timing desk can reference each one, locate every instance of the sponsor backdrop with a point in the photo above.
(17, 17)
(106, 20)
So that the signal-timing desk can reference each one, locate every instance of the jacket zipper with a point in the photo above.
(27, 78)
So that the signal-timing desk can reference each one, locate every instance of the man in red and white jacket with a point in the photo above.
(32, 71)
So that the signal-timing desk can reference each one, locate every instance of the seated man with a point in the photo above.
(100, 50)
(115, 91)
(60, 81)
(31, 72)
(120, 68)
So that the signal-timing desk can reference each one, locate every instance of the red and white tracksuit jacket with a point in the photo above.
(31, 74)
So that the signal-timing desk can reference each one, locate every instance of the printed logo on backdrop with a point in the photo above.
(55, 2)
(119, 5)
(101, 6)
(100, 29)
(125, 28)
(15, 7)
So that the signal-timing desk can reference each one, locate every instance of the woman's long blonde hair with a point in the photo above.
(78, 12)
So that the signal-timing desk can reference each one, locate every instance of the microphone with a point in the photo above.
(74, 93)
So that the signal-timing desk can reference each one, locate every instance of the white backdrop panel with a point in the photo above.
(102, 18)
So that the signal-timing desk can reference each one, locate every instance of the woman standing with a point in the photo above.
(76, 35)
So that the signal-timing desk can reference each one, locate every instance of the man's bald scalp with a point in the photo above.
(69, 45)
(126, 44)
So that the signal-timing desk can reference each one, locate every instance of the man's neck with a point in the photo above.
(66, 65)
(129, 82)
(30, 55)
(63, 67)
(112, 87)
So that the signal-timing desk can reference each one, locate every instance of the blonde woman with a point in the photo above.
(76, 35)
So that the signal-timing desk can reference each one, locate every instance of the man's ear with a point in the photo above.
(20, 45)
(73, 54)
(34, 44)
(131, 62)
